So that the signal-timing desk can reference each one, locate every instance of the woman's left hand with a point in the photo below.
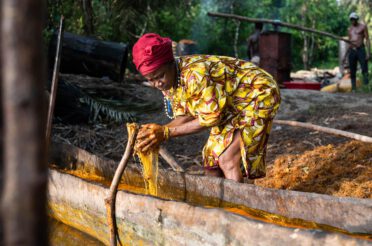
(150, 135)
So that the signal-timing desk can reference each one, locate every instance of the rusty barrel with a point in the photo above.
(186, 47)
(275, 54)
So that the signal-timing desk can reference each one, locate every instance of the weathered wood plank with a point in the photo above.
(351, 214)
(153, 221)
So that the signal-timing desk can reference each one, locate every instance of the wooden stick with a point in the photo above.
(168, 157)
(277, 23)
(111, 199)
(53, 90)
(325, 129)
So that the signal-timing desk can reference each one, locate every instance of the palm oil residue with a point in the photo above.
(150, 169)
(149, 161)
(344, 170)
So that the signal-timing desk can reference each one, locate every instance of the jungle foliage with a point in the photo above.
(125, 21)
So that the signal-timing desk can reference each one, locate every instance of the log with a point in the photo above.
(346, 213)
(90, 56)
(325, 129)
(277, 23)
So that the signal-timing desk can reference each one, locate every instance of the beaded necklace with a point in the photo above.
(167, 104)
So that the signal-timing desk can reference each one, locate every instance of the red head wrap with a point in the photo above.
(151, 51)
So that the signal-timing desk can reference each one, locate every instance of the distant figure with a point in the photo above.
(253, 44)
(357, 32)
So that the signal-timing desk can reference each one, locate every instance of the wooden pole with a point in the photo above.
(53, 90)
(277, 23)
(168, 157)
(325, 129)
(23, 79)
(111, 199)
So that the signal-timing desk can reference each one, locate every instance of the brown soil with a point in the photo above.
(297, 158)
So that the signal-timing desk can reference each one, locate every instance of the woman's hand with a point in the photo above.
(151, 135)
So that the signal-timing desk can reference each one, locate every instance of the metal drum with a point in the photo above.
(186, 47)
(275, 54)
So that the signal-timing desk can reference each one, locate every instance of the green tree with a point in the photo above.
(125, 21)
(324, 15)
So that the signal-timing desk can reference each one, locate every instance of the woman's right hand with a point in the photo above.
(150, 135)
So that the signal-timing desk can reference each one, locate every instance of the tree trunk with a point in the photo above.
(236, 38)
(88, 17)
(311, 49)
(24, 197)
(90, 56)
(305, 52)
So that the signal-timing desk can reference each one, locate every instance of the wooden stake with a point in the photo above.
(277, 23)
(111, 199)
(53, 90)
(325, 129)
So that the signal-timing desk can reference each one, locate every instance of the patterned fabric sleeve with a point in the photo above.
(206, 99)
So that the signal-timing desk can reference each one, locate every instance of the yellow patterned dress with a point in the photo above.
(227, 94)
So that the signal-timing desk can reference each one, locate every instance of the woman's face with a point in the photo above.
(164, 77)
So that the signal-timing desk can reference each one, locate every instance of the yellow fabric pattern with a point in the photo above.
(227, 94)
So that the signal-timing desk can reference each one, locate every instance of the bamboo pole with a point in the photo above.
(53, 90)
(325, 129)
(277, 23)
(23, 78)
(111, 199)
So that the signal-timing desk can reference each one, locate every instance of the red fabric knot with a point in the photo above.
(148, 50)
(151, 51)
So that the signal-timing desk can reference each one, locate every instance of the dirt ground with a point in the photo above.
(297, 158)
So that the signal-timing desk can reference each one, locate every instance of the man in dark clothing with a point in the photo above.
(357, 32)
(253, 44)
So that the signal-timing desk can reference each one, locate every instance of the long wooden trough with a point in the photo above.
(198, 210)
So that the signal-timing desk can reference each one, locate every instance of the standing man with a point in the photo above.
(253, 44)
(357, 32)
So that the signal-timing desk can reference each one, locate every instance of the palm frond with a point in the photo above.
(101, 110)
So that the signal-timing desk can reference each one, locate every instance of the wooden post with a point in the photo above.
(23, 78)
